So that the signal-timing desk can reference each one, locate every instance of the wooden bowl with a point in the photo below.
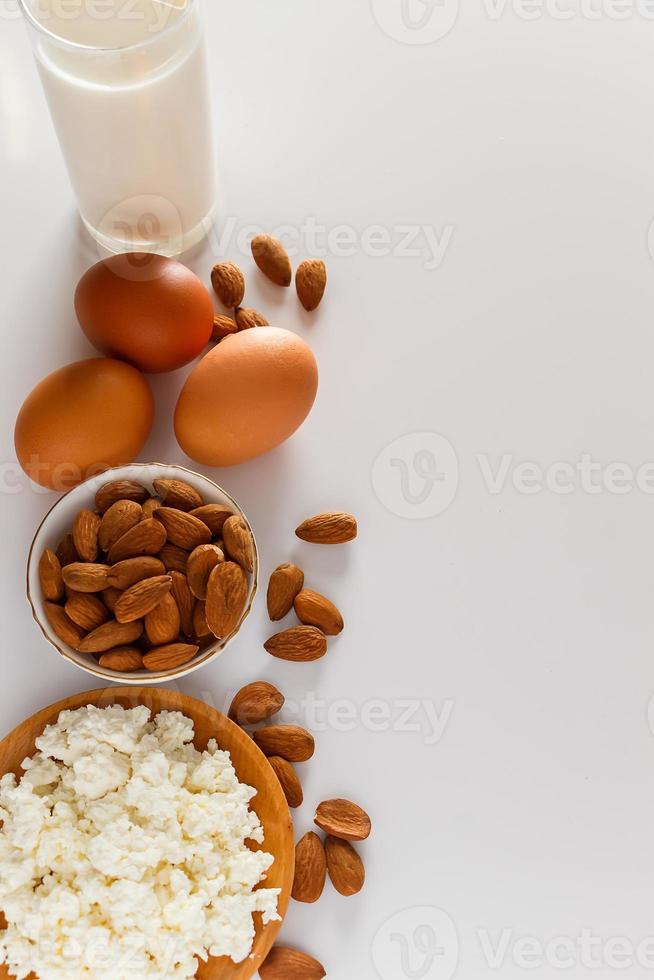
(251, 766)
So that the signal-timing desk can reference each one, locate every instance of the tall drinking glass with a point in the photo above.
(127, 86)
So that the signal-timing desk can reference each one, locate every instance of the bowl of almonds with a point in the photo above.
(143, 574)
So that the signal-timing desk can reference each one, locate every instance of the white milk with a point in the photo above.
(134, 121)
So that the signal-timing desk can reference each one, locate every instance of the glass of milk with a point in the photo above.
(127, 86)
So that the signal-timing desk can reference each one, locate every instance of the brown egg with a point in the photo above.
(145, 309)
(248, 395)
(81, 420)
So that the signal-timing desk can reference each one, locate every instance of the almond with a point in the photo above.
(175, 559)
(227, 593)
(255, 703)
(85, 535)
(125, 659)
(343, 819)
(64, 627)
(311, 282)
(170, 656)
(247, 318)
(142, 598)
(223, 326)
(284, 963)
(176, 493)
(200, 625)
(163, 624)
(314, 609)
(149, 507)
(310, 869)
(272, 258)
(132, 570)
(285, 583)
(200, 565)
(229, 284)
(185, 602)
(183, 529)
(86, 577)
(66, 552)
(120, 518)
(291, 742)
(86, 611)
(110, 597)
(345, 867)
(110, 493)
(328, 529)
(238, 542)
(50, 577)
(289, 781)
(300, 644)
(147, 538)
(110, 635)
(214, 516)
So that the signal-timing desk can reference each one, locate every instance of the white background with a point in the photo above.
(530, 616)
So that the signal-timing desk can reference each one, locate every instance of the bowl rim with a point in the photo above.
(134, 677)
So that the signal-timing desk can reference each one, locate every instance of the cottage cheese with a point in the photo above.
(123, 854)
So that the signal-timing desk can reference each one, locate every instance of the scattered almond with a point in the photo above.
(315, 610)
(170, 656)
(142, 598)
(291, 742)
(346, 869)
(132, 570)
(85, 535)
(50, 577)
(214, 516)
(343, 819)
(62, 625)
(223, 326)
(110, 493)
(120, 518)
(66, 552)
(300, 644)
(183, 529)
(272, 258)
(125, 659)
(175, 559)
(147, 538)
(310, 869)
(110, 635)
(229, 284)
(311, 282)
(255, 703)
(285, 583)
(227, 592)
(284, 963)
(328, 529)
(163, 624)
(86, 611)
(238, 542)
(176, 493)
(200, 565)
(248, 318)
(86, 577)
(185, 602)
(289, 780)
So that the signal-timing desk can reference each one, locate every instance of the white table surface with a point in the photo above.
(523, 621)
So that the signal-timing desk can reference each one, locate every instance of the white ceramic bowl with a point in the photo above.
(59, 521)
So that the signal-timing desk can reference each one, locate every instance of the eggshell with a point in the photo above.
(247, 396)
(81, 420)
(145, 309)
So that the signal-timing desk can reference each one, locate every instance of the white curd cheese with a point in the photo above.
(123, 852)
